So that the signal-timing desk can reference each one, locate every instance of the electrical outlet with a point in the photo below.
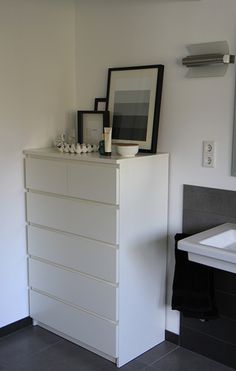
(208, 153)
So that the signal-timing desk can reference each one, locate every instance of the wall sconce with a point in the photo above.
(212, 58)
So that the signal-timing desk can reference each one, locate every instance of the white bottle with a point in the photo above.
(107, 141)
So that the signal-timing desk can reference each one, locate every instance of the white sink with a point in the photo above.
(223, 240)
(215, 247)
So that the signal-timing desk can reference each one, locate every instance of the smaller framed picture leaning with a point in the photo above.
(90, 125)
(134, 101)
(100, 104)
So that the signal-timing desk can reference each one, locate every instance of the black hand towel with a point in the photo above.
(193, 286)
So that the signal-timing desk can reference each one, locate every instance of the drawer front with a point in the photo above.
(82, 180)
(80, 325)
(93, 182)
(87, 256)
(87, 219)
(46, 175)
(88, 293)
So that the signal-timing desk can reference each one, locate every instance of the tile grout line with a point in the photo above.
(47, 347)
(165, 355)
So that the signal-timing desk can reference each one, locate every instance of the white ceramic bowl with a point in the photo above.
(127, 149)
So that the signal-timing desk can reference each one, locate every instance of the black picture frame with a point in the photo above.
(100, 104)
(90, 125)
(134, 102)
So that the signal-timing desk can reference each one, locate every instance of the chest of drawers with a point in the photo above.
(97, 231)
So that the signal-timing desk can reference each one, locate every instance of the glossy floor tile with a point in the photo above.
(35, 349)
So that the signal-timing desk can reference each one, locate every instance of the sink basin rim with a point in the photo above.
(193, 244)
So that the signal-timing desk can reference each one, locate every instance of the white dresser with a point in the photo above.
(97, 244)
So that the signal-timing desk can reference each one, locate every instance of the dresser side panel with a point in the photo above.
(142, 254)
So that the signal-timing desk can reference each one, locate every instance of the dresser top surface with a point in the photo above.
(52, 152)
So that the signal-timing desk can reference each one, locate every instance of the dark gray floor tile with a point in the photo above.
(35, 349)
(135, 365)
(156, 353)
(22, 343)
(65, 356)
(76, 355)
(184, 360)
(140, 363)
(44, 364)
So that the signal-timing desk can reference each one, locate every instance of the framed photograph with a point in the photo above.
(134, 101)
(100, 104)
(90, 126)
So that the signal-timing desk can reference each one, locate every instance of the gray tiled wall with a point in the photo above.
(207, 207)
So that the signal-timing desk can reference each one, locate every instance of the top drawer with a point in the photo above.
(46, 175)
(89, 181)
(93, 182)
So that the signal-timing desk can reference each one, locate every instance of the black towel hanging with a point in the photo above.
(193, 286)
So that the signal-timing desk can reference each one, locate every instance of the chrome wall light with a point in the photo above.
(212, 58)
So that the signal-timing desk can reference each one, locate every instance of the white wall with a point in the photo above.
(37, 91)
(136, 32)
